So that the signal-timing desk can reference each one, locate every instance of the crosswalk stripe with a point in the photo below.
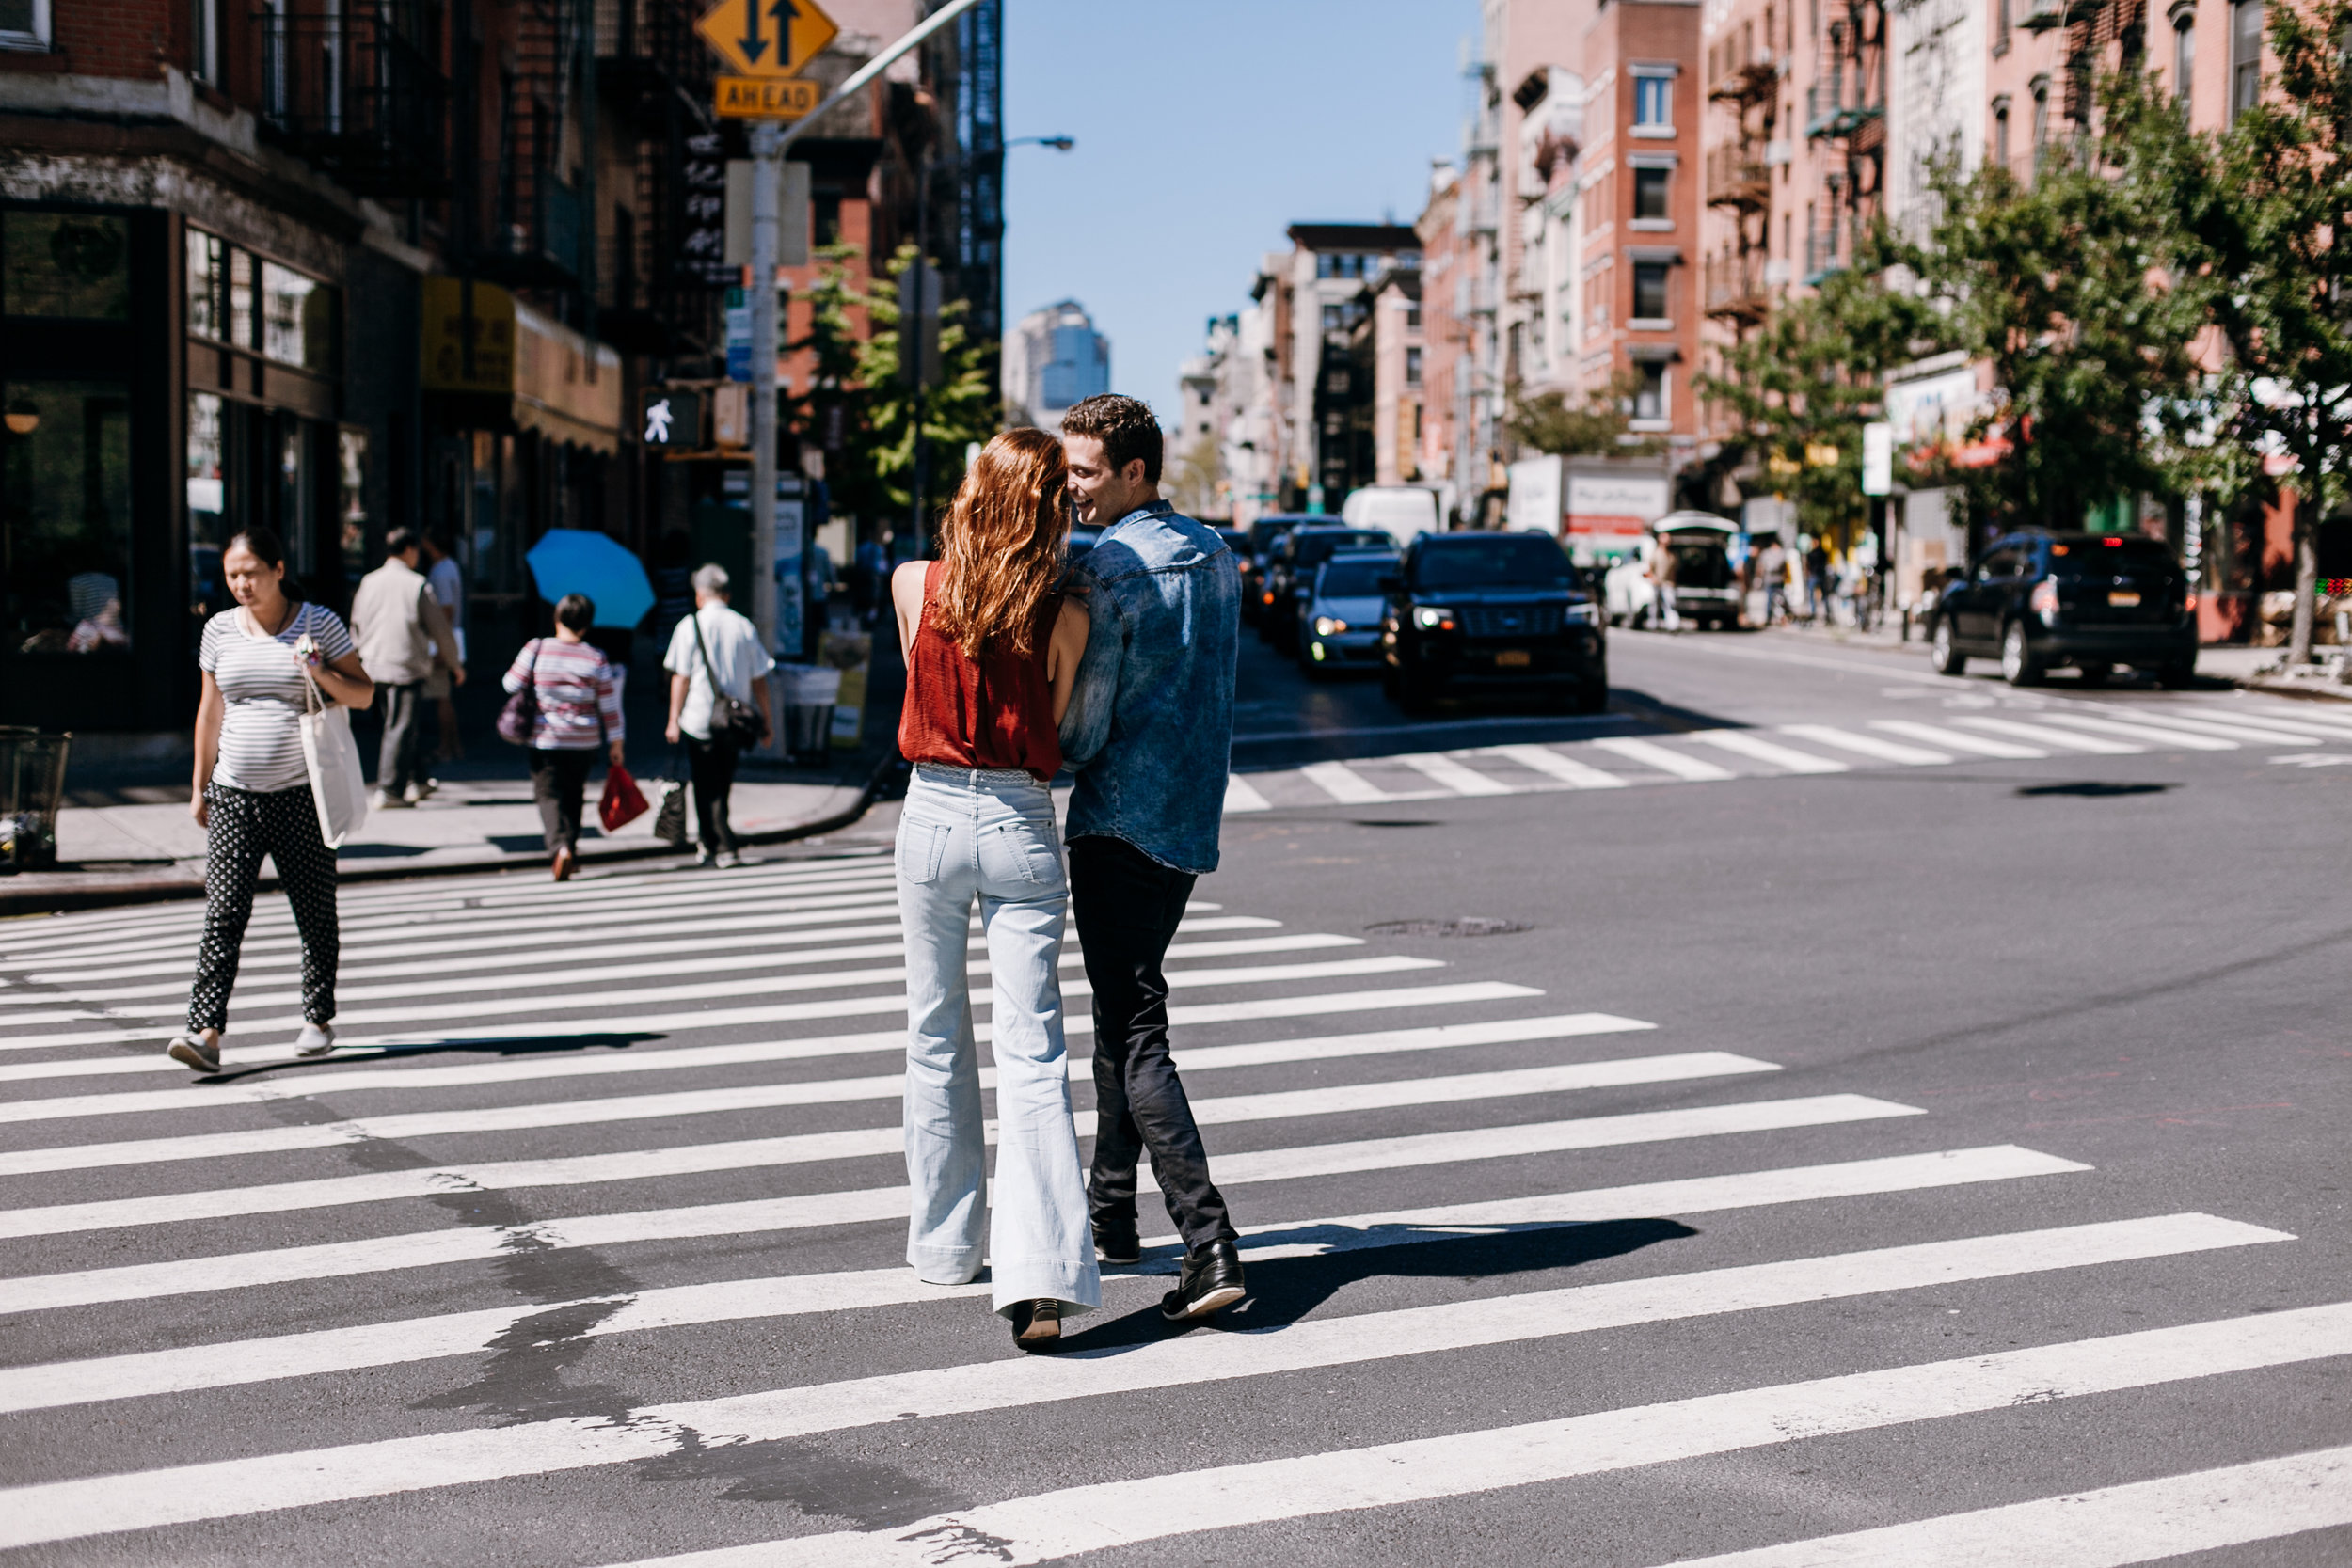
(207, 1146)
(1866, 745)
(2141, 731)
(1087, 1518)
(2251, 732)
(2147, 1521)
(1445, 770)
(426, 1249)
(218, 1365)
(1743, 744)
(2041, 734)
(1954, 739)
(1552, 765)
(1081, 1519)
(2314, 714)
(1665, 760)
(1340, 783)
(162, 1208)
(1240, 795)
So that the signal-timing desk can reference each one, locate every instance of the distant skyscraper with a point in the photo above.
(1054, 359)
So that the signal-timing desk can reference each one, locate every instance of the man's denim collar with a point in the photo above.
(1148, 509)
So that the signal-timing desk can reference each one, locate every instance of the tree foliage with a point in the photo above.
(1596, 425)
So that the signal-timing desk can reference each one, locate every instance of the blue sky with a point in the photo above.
(1205, 128)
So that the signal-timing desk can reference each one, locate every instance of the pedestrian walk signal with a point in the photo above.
(752, 98)
(766, 38)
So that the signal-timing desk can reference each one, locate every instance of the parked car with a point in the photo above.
(1400, 511)
(1492, 611)
(2038, 599)
(1342, 631)
(1264, 533)
(1706, 586)
(1290, 575)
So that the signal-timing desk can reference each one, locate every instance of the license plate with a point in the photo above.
(2122, 601)
(1514, 659)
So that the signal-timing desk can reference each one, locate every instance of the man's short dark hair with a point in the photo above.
(400, 541)
(1125, 427)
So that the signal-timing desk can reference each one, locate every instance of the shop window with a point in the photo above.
(208, 285)
(65, 264)
(296, 328)
(295, 320)
(241, 298)
(24, 23)
(65, 516)
(1650, 193)
(208, 506)
(351, 503)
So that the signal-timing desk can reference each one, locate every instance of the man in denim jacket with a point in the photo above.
(1149, 732)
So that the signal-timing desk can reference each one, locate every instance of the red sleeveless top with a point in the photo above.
(996, 711)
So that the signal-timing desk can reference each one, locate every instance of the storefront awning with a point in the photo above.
(525, 372)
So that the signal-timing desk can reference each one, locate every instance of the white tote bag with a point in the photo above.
(338, 786)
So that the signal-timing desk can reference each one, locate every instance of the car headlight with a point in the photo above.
(1326, 627)
(1582, 612)
(1431, 618)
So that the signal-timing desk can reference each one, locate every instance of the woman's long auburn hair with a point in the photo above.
(1002, 545)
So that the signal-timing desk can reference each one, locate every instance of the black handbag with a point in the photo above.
(519, 718)
(669, 819)
(731, 719)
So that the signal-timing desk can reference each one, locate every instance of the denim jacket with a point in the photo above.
(1150, 727)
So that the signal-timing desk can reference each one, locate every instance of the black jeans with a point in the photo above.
(1127, 906)
(558, 781)
(712, 765)
(399, 762)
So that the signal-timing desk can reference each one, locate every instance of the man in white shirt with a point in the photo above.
(713, 651)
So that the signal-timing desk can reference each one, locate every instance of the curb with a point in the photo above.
(156, 889)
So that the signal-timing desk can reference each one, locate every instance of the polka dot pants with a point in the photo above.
(242, 827)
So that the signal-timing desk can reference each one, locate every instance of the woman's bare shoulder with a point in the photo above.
(1072, 620)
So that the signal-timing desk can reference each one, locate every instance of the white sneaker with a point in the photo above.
(727, 860)
(316, 1039)
(381, 802)
(701, 856)
(420, 792)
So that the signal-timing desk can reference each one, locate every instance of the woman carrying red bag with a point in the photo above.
(575, 709)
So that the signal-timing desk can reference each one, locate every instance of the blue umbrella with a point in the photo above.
(574, 560)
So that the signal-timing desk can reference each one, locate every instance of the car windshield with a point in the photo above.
(1353, 579)
(1265, 531)
(1314, 549)
(1502, 560)
(2100, 556)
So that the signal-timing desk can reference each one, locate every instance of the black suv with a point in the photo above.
(1264, 533)
(1498, 611)
(1290, 576)
(2037, 599)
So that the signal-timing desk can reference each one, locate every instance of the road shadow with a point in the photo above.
(520, 1045)
(2093, 788)
(1282, 1291)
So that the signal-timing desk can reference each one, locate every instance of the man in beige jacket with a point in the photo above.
(403, 634)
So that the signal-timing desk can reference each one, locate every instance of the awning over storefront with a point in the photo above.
(525, 372)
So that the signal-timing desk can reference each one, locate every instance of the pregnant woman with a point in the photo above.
(992, 651)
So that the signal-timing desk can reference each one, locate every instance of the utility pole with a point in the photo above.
(767, 138)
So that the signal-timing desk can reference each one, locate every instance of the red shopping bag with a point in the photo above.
(621, 803)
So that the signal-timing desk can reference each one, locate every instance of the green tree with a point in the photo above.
(2259, 213)
(1596, 425)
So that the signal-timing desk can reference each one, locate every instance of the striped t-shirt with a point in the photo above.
(262, 683)
(575, 682)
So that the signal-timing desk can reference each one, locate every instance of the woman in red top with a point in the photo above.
(991, 653)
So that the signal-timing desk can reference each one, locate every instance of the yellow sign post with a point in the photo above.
(755, 98)
(770, 39)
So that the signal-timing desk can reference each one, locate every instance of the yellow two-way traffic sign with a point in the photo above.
(766, 38)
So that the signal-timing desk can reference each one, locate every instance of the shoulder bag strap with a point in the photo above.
(713, 675)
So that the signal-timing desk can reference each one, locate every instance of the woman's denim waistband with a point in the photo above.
(993, 780)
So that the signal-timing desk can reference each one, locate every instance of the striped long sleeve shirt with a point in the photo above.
(574, 682)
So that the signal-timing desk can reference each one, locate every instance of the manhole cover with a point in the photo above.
(1468, 925)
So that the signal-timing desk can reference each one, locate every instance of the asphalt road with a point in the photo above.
(1893, 1139)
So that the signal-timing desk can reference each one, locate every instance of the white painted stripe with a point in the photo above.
(1461, 780)
(2148, 1521)
(1339, 781)
(1095, 1517)
(1955, 740)
(1676, 763)
(1866, 745)
(2146, 733)
(2041, 734)
(1553, 764)
(424, 1249)
(168, 1208)
(1240, 795)
(787, 1012)
(205, 1145)
(221, 1365)
(2317, 714)
(2242, 730)
(1742, 743)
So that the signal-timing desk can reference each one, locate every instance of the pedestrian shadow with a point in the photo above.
(1283, 1291)
(518, 1045)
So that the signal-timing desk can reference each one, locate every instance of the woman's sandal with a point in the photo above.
(194, 1050)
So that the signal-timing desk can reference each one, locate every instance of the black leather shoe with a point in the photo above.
(1211, 1279)
(1037, 1324)
(1116, 1246)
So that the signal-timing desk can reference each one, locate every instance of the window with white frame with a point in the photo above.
(2246, 56)
(23, 23)
(1650, 397)
(1654, 103)
(204, 40)
(2183, 55)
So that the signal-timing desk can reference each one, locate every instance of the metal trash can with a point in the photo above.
(32, 787)
(810, 691)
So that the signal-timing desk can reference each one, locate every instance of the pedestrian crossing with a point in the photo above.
(2049, 728)
(576, 1147)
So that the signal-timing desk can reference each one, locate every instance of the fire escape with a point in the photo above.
(534, 196)
(656, 292)
(2092, 27)
(1846, 109)
(1739, 179)
(356, 87)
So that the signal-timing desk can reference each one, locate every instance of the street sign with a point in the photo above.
(761, 97)
(766, 38)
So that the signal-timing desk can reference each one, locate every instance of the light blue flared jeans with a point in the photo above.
(988, 833)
